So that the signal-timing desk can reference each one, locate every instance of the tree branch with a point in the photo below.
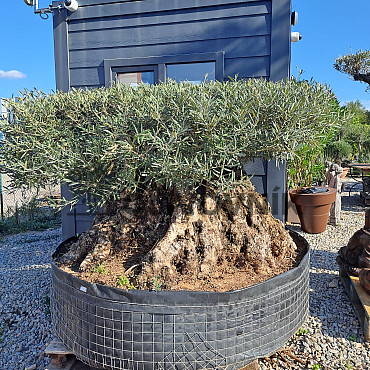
(362, 77)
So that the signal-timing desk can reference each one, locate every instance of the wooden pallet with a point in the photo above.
(360, 300)
(61, 357)
(251, 366)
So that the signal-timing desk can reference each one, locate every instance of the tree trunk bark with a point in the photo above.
(362, 77)
(169, 234)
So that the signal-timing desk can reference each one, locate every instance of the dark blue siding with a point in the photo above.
(132, 29)
(253, 37)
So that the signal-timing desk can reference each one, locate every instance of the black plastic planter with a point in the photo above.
(116, 329)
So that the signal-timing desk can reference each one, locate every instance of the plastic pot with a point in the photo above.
(313, 209)
(112, 328)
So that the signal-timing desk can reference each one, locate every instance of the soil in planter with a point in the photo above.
(164, 239)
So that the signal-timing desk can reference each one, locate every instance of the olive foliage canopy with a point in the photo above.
(107, 140)
(356, 65)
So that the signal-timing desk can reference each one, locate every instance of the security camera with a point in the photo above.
(295, 36)
(71, 5)
(29, 2)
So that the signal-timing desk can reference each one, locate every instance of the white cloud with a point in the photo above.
(12, 74)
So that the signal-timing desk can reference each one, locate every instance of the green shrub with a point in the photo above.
(358, 135)
(103, 141)
(338, 150)
(307, 167)
(356, 131)
(30, 216)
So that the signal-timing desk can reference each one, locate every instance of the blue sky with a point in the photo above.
(329, 28)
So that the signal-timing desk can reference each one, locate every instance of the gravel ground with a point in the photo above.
(24, 303)
(331, 337)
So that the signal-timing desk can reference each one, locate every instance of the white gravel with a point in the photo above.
(331, 337)
(25, 326)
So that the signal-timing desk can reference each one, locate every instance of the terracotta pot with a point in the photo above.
(344, 173)
(313, 209)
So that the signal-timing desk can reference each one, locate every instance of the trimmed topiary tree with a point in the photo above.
(164, 165)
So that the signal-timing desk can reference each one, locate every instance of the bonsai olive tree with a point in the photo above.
(356, 65)
(164, 164)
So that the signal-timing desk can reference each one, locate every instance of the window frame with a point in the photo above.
(132, 69)
(191, 78)
(158, 65)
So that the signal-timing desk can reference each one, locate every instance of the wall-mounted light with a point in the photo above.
(71, 5)
(294, 18)
(295, 36)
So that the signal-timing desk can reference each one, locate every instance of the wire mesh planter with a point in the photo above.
(111, 328)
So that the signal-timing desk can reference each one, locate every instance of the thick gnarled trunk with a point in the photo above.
(178, 237)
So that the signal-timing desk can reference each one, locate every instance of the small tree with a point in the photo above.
(356, 131)
(338, 150)
(165, 162)
(358, 112)
(356, 65)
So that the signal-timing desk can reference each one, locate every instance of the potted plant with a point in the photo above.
(313, 207)
(159, 280)
(311, 200)
(305, 170)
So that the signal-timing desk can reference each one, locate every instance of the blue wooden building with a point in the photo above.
(149, 41)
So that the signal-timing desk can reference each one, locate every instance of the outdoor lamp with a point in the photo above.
(71, 5)
(295, 36)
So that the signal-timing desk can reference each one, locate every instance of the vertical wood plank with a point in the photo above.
(61, 50)
(280, 40)
(276, 188)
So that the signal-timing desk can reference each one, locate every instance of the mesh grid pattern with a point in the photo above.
(110, 334)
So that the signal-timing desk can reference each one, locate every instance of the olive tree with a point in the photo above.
(356, 65)
(165, 163)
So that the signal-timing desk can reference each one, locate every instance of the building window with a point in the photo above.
(194, 68)
(192, 72)
(136, 78)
